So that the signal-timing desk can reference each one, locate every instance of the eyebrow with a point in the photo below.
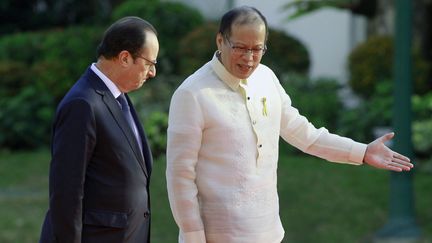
(239, 43)
(244, 45)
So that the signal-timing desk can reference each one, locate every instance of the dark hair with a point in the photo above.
(128, 33)
(241, 15)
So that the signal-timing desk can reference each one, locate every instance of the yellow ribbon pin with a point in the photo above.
(264, 102)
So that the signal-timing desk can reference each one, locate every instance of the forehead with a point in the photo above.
(254, 32)
(151, 43)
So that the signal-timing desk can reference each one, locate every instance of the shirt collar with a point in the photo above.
(110, 84)
(220, 70)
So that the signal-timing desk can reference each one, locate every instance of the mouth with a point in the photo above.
(245, 67)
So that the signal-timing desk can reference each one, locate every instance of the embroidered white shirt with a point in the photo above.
(222, 154)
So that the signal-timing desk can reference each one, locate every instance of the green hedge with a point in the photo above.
(25, 119)
(316, 99)
(53, 59)
(285, 54)
(172, 21)
(422, 125)
(197, 47)
(37, 68)
(372, 62)
(359, 122)
(377, 111)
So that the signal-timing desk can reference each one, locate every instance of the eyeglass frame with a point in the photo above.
(153, 63)
(243, 51)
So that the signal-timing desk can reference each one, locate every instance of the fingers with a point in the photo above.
(401, 157)
(402, 162)
(399, 162)
(394, 168)
(402, 166)
(396, 162)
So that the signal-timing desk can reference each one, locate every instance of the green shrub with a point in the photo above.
(317, 99)
(73, 48)
(25, 119)
(151, 103)
(422, 106)
(50, 61)
(422, 125)
(52, 77)
(197, 48)
(359, 122)
(34, 80)
(14, 75)
(372, 62)
(26, 110)
(172, 21)
(377, 111)
(156, 125)
(26, 47)
(284, 55)
(422, 133)
(155, 94)
(54, 59)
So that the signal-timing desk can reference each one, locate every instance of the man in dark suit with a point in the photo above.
(101, 161)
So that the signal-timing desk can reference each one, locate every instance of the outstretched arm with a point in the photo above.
(380, 156)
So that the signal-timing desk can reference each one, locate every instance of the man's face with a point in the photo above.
(143, 67)
(240, 52)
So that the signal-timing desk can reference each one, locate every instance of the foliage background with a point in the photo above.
(45, 48)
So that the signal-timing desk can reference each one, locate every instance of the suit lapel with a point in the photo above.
(146, 152)
(113, 106)
(148, 159)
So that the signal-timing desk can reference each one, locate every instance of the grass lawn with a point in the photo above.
(319, 202)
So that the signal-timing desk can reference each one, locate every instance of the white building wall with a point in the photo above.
(328, 34)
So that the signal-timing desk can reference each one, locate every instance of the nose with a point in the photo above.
(248, 55)
(152, 72)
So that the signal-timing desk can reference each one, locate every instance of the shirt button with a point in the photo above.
(146, 214)
(260, 146)
(253, 122)
(248, 98)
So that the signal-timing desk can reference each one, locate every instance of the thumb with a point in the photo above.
(387, 137)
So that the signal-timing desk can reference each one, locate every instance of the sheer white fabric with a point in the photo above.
(222, 154)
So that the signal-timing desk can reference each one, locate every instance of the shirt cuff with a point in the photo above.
(193, 237)
(357, 153)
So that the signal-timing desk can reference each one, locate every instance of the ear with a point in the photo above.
(219, 41)
(124, 58)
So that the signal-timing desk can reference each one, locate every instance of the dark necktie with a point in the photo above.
(127, 114)
(126, 110)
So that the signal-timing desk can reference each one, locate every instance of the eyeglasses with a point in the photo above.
(150, 61)
(239, 50)
(153, 63)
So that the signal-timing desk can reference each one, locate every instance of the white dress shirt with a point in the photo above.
(222, 154)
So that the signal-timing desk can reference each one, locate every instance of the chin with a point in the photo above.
(141, 83)
(243, 75)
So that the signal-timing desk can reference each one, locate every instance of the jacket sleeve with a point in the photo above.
(184, 141)
(73, 142)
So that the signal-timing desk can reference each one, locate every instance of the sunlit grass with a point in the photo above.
(320, 201)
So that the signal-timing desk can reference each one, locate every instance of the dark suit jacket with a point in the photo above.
(99, 178)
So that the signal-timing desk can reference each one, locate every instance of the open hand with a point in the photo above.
(380, 156)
